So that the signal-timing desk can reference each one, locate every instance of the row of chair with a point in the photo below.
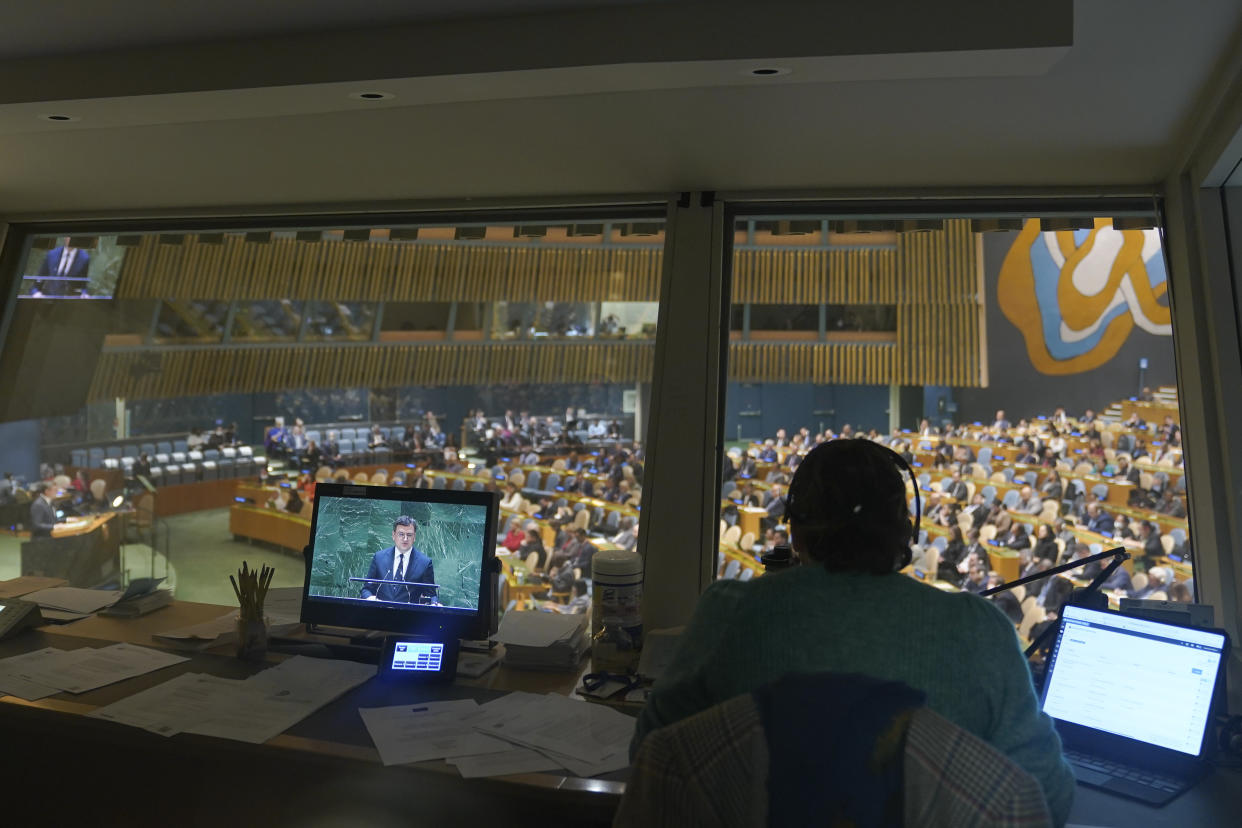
(180, 467)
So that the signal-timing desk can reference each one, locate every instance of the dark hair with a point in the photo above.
(404, 520)
(847, 507)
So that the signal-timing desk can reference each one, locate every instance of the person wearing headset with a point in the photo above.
(848, 610)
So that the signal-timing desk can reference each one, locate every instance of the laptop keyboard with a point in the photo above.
(1138, 776)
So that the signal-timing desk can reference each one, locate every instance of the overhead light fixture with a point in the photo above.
(580, 230)
(795, 228)
(309, 235)
(172, 238)
(358, 234)
(259, 237)
(862, 226)
(530, 231)
(997, 225)
(1066, 223)
(1134, 222)
(642, 228)
(403, 234)
(211, 238)
(118, 500)
(767, 71)
(470, 233)
(60, 118)
(372, 95)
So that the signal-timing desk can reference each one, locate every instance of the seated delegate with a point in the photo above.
(848, 610)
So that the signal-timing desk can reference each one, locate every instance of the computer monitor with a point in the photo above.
(444, 541)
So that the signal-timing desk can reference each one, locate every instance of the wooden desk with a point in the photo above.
(281, 529)
(748, 518)
(322, 771)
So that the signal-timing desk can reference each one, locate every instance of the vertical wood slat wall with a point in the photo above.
(930, 276)
(386, 272)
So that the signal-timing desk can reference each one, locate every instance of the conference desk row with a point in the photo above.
(66, 768)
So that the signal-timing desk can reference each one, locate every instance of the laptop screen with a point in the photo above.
(1136, 678)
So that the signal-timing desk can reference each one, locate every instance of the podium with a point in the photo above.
(86, 552)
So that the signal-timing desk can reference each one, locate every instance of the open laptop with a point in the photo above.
(1133, 701)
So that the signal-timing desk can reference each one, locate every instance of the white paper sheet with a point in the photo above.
(177, 704)
(432, 730)
(513, 760)
(74, 599)
(589, 733)
(78, 671)
(537, 629)
(11, 682)
(271, 702)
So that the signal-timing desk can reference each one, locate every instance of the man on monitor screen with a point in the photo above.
(401, 562)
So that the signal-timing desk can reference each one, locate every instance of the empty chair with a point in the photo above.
(1178, 535)
(1166, 541)
(228, 467)
(476, 486)
(533, 480)
(189, 472)
(349, 434)
(346, 447)
(552, 481)
(984, 456)
(179, 457)
(746, 543)
(210, 470)
(172, 474)
(113, 452)
(1100, 490)
(1008, 473)
(746, 575)
(732, 569)
(459, 485)
(180, 445)
(1031, 477)
(163, 459)
(95, 458)
(1096, 548)
(437, 482)
(163, 447)
(1010, 499)
(518, 478)
(313, 435)
(597, 516)
(147, 449)
(940, 543)
(1138, 582)
(731, 536)
(195, 456)
(211, 454)
(361, 477)
(924, 481)
(380, 478)
(989, 494)
(78, 457)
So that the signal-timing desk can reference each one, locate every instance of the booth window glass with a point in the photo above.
(1023, 366)
(203, 380)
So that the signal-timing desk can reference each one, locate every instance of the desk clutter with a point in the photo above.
(517, 733)
(543, 640)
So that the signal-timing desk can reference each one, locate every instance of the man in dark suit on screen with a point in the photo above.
(69, 266)
(401, 562)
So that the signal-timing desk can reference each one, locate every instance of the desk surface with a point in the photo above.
(330, 758)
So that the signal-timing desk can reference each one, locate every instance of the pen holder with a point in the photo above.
(252, 639)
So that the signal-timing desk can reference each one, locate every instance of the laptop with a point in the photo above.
(1133, 701)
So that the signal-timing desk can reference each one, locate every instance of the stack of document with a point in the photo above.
(49, 671)
(543, 640)
(518, 733)
(253, 710)
(67, 603)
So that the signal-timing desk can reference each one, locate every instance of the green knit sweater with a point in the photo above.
(956, 647)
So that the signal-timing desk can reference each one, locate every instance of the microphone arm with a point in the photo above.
(1088, 596)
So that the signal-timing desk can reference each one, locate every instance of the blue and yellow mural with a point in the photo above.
(1075, 296)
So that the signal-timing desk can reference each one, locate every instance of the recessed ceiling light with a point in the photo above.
(60, 118)
(371, 95)
(767, 71)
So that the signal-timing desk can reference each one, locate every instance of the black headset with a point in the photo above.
(882, 451)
